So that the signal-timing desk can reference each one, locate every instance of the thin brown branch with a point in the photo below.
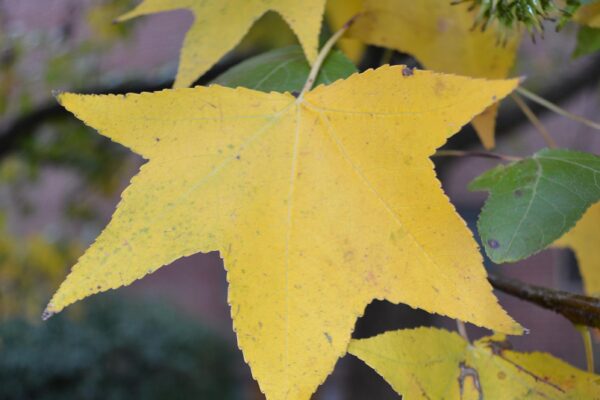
(535, 121)
(579, 309)
(558, 110)
(481, 154)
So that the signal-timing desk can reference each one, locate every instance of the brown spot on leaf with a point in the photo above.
(493, 243)
(439, 86)
(442, 25)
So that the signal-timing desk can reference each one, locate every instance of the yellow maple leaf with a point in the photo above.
(440, 35)
(429, 363)
(589, 15)
(220, 25)
(584, 239)
(338, 13)
(318, 205)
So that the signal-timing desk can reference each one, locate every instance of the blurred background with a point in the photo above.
(169, 335)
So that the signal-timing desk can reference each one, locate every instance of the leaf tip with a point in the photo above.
(56, 93)
(48, 313)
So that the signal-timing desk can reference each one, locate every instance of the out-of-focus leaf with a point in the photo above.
(338, 12)
(219, 26)
(588, 41)
(441, 36)
(583, 239)
(589, 14)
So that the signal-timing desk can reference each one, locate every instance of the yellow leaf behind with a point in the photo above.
(318, 205)
(441, 37)
(338, 13)
(583, 239)
(220, 25)
(429, 363)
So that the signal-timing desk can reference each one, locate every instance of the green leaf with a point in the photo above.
(588, 41)
(284, 70)
(535, 201)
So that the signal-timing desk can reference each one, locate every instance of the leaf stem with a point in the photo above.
(481, 154)
(462, 330)
(535, 121)
(553, 107)
(589, 348)
(312, 77)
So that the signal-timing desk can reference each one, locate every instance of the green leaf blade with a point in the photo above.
(284, 70)
(535, 201)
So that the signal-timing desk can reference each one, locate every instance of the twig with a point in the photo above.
(579, 309)
(553, 107)
(589, 348)
(312, 77)
(535, 121)
(481, 154)
(568, 86)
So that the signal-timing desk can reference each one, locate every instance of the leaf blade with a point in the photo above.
(293, 198)
(535, 201)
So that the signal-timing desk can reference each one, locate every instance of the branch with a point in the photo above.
(579, 309)
(24, 126)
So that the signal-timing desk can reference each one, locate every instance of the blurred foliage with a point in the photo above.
(113, 350)
(35, 60)
(588, 41)
(68, 144)
(30, 268)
